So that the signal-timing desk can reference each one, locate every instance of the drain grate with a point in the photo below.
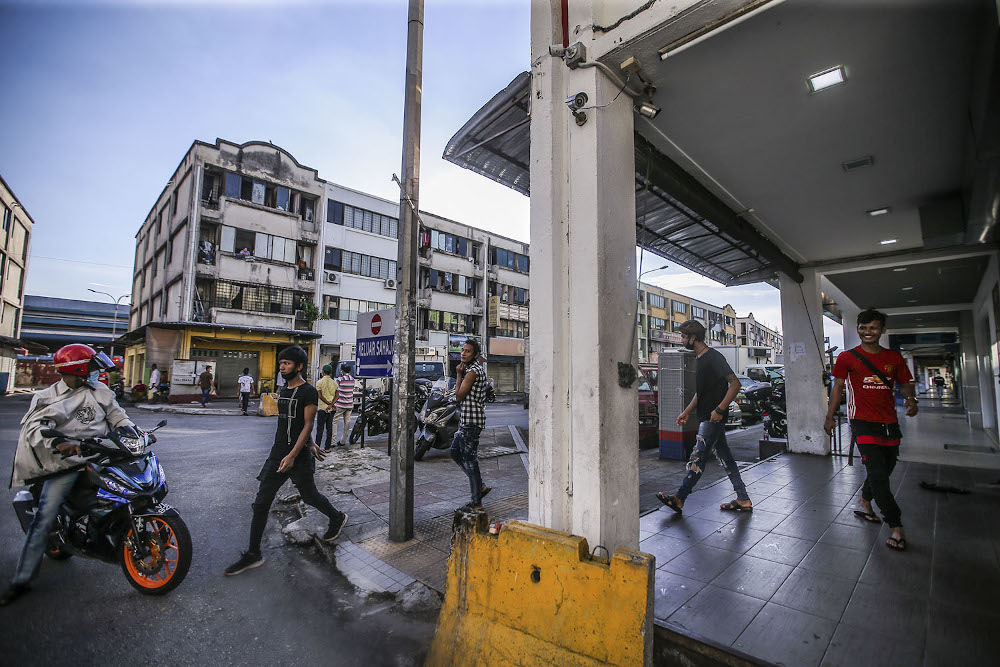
(975, 449)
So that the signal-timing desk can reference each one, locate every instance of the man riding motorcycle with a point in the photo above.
(78, 406)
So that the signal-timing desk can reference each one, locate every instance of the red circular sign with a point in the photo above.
(376, 324)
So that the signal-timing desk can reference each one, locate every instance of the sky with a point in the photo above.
(103, 99)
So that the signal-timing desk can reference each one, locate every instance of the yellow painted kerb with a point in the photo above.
(534, 596)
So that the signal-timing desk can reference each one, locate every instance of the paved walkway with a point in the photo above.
(802, 581)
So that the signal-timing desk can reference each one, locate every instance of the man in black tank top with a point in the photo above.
(292, 456)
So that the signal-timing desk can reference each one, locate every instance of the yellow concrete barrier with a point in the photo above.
(535, 596)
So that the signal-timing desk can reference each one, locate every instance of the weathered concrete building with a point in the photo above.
(15, 237)
(766, 343)
(224, 266)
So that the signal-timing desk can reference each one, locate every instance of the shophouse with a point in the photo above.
(225, 267)
(765, 344)
(15, 237)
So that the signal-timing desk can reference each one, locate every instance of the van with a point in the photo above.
(762, 372)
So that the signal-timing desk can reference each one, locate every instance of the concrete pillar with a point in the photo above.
(802, 327)
(969, 364)
(584, 475)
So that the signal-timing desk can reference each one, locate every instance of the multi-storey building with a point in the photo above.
(15, 237)
(470, 283)
(661, 312)
(225, 266)
(765, 343)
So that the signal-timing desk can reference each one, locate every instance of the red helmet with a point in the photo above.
(77, 359)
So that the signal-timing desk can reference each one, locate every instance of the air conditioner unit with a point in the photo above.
(333, 278)
(390, 283)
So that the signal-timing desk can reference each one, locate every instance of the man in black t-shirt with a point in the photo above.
(715, 388)
(296, 412)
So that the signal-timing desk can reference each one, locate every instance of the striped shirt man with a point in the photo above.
(345, 391)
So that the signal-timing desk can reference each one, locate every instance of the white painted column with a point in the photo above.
(802, 327)
(850, 313)
(584, 475)
(971, 399)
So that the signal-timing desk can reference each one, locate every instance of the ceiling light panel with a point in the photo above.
(888, 241)
(902, 268)
(875, 212)
(826, 79)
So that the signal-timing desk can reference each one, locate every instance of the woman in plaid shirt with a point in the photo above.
(470, 377)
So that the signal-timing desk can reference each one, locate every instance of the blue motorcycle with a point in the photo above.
(116, 512)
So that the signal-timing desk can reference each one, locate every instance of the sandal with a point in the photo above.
(896, 543)
(484, 491)
(733, 506)
(669, 501)
(867, 516)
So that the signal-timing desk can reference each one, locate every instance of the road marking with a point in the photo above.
(519, 443)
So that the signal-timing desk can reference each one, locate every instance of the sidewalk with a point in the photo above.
(217, 407)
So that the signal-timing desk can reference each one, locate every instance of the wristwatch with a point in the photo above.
(721, 412)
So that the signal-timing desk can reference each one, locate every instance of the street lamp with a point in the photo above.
(114, 322)
(659, 268)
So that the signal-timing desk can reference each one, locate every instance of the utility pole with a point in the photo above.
(401, 463)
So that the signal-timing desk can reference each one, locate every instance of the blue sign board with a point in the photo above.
(376, 334)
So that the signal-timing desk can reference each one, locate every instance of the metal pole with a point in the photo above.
(364, 395)
(401, 468)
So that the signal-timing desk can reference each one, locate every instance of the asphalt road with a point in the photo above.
(294, 610)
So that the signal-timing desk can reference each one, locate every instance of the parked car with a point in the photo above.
(749, 408)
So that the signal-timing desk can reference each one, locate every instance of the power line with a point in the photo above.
(79, 261)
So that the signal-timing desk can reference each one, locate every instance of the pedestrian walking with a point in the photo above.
(327, 390)
(154, 381)
(343, 402)
(292, 457)
(246, 385)
(207, 383)
(470, 378)
(715, 388)
(939, 385)
(869, 372)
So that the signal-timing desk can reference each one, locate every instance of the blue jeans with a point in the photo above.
(711, 437)
(54, 493)
(465, 452)
(204, 396)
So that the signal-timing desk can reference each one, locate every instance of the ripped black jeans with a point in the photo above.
(711, 437)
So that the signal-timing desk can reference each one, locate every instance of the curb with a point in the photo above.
(218, 412)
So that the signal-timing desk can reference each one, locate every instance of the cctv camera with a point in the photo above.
(577, 102)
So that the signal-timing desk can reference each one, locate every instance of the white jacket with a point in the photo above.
(82, 412)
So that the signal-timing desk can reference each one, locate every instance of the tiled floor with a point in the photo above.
(802, 581)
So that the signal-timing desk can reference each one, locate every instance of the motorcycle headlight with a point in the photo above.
(134, 445)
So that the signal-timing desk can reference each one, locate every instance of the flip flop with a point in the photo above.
(669, 501)
(867, 516)
(733, 506)
(896, 544)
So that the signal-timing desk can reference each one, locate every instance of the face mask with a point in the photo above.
(93, 378)
(290, 376)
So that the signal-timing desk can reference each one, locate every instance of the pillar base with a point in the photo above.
(531, 595)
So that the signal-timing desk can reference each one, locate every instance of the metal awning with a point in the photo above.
(676, 217)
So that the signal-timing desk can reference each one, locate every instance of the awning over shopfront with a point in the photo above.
(139, 335)
(676, 217)
(21, 344)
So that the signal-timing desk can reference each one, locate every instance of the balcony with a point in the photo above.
(306, 274)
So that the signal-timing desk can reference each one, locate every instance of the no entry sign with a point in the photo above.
(376, 333)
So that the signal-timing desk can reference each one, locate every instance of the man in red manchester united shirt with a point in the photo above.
(871, 372)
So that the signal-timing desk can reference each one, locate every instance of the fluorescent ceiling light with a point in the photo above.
(879, 211)
(907, 289)
(902, 268)
(826, 78)
(888, 241)
(911, 301)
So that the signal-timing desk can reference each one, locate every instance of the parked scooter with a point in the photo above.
(375, 416)
(491, 394)
(116, 512)
(438, 421)
(770, 396)
(421, 390)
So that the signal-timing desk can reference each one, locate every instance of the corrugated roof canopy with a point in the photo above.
(676, 217)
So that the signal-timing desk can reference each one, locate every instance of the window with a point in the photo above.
(173, 204)
(697, 312)
(657, 301)
(307, 207)
(347, 310)
(6, 218)
(358, 218)
(438, 320)
(331, 260)
(509, 259)
(255, 298)
(336, 259)
(657, 323)
(679, 307)
(159, 223)
(512, 329)
(334, 212)
(448, 282)
(233, 186)
(156, 263)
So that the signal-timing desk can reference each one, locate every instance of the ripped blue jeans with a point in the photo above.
(465, 452)
(711, 437)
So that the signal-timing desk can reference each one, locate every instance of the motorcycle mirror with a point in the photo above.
(162, 423)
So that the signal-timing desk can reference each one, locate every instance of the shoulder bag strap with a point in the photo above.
(879, 374)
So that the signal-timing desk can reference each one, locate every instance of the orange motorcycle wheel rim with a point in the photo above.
(170, 557)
